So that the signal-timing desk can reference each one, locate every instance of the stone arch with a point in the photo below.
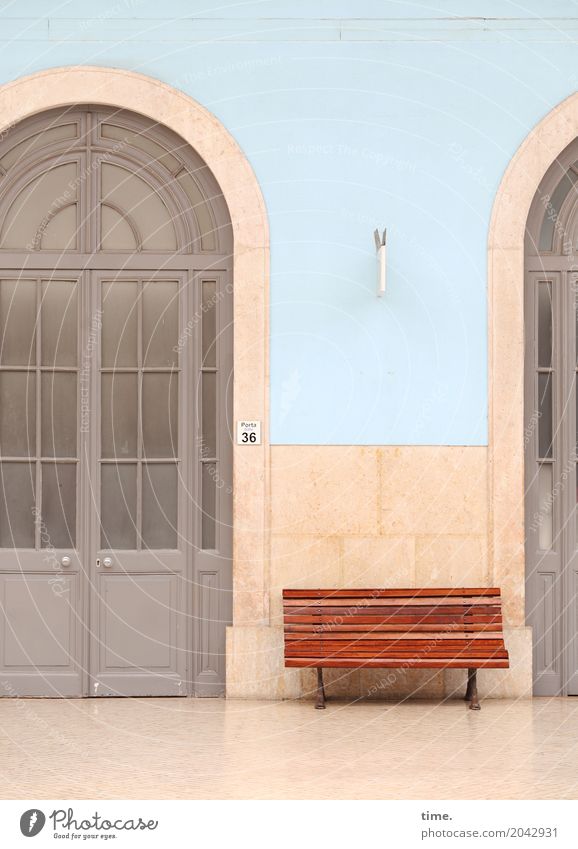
(512, 204)
(61, 87)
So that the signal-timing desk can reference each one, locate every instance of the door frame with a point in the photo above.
(506, 361)
(121, 89)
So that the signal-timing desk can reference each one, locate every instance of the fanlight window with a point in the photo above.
(556, 231)
(91, 180)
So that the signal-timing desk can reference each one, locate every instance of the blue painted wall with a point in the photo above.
(353, 115)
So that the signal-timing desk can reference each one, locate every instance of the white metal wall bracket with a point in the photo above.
(380, 245)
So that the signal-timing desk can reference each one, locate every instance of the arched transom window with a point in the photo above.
(90, 180)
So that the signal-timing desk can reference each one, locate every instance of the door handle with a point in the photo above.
(107, 562)
(65, 561)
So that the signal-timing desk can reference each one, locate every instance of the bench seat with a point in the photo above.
(441, 628)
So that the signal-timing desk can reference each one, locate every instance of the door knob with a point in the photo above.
(107, 562)
(65, 561)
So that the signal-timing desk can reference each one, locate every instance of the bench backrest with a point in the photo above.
(385, 627)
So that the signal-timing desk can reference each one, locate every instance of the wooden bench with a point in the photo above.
(409, 629)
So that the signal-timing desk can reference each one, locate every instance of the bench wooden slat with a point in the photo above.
(393, 647)
(391, 603)
(399, 621)
(423, 601)
(393, 639)
(462, 657)
(414, 591)
(381, 651)
(395, 663)
(418, 650)
(319, 629)
(336, 614)
(422, 651)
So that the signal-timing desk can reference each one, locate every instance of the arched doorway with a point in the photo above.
(551, 332)
(116, 314)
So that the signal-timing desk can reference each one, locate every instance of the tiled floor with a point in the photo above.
(197, 749)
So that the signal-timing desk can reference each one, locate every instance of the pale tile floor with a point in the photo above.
(198, 749)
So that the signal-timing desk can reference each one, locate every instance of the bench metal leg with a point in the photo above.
(320, 703)
(468, 695)
(472, 690)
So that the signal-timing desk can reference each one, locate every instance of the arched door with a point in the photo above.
(551, 333)
(115, 401)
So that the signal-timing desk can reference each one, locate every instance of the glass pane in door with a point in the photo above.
(119, 324)
(59, 323)
(17, 414)
(209, 505)
(118, 505)
(17, 322)
(58, 414)
(159, 505)
(119, 404)
(59, 505)
(545, 415)
(36, 206)
(209, 322)
(160, 411)
(39, 412)
(139, 414)
(17, 505)
(160, 307)
(545, 505)
(138, 201)
(544, 324)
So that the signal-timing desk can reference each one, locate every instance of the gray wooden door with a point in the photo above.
(551, 323)
(42, 577)
(115, 400)
(138, 470)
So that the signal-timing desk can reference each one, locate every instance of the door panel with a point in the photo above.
(40, 552)
(139, 604)
(551, 515)
(139, 624)
(128, 603)
(570, 588)
(40, 637)
(212, 481)
(544, 464)
(573, 635)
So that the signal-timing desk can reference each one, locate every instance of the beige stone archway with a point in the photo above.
(506, 347)
(61, 87)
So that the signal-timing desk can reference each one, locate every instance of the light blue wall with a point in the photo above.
(407, 122)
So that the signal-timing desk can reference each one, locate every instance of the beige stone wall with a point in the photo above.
(346, 516)
(357, 516)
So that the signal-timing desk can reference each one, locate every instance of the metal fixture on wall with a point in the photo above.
(381, 260)
(380, 241)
